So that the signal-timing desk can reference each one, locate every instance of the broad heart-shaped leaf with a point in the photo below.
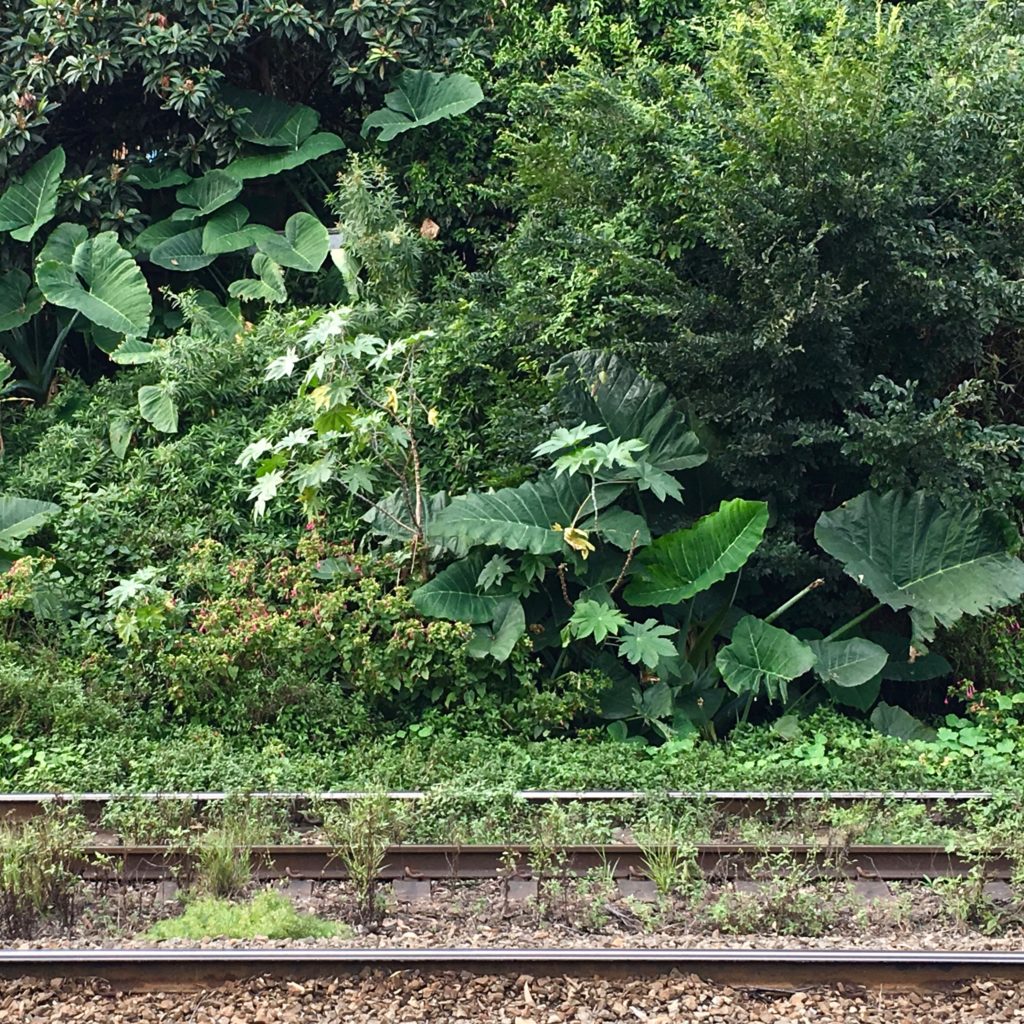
(19, 301)
(157, 405)
(910, 552)
(267, 120)
(683, 563)
(422, 97)
(20, 517)
(210, 192)
(269, 287)
(96, 277)
(303, 247)
(158, 176)
(28, 205)
(761, 655)
(860, 697)
(135, 352)
(223, 322)
(894, 721)
(149, 238)
(499, 638)
(264, 164)
(602, 388)
(228, 230)
(618, 526)
(182, 252)
(848, 663)
(900, 668)
(119, 432)
(522, 518)
(453, 594)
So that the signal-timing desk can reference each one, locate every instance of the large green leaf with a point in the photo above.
(223, 322)
(210, 192)
(269, 285)
(19, 301)
(20, 517)
(158, 232)
(848, 663)
(910, 552)
(453, 594)
(267, 120)
(264, 164)
(763, 656)
(420, 98)
(157, 405)
(136, 352)
(603, 389)
(182, 252)
(158, 176)
(28, 205)
(304, 244)
(228, 230)
(894, 721)
(523, 518)
(96, 277)
(683, 563)
(500, 637)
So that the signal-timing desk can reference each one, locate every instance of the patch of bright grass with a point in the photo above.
(270, 914)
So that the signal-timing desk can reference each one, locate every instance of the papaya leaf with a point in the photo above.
(19, 300)
(910, 552)
(762, 656)
(263, 165)
(683, 563)
(304, 244)
(30, 203)
(420, 98)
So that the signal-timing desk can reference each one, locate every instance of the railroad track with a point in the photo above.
(625, 861)
(156, 969)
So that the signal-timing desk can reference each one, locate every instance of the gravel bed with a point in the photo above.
(377, 997)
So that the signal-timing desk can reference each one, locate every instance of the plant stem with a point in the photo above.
(855, 621)
(302, 200)
(813, 585)
(803, 696)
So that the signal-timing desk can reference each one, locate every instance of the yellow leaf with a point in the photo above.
(391, 402)
(320, 397)
(432, 417)
(577, 540)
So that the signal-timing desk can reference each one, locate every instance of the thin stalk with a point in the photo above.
(803, 696)
(784, 607)
(302, 200)
(855, 621)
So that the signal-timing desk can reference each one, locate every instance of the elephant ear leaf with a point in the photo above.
(761, 656)
(261, 165)
(499, 638)
(603, 389)
(304, 244)
(268, 285)
(32, 202)
(96, 277)
(454, 594)
(422, 97)
(894, 721)
(19, 301)
(679, 565)
(911, 552)
(206, 194)
(20, 517)
(268, 121)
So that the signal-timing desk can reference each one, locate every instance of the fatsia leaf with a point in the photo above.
(647, 642)
(681, 564)
(453, 594)
(499, 638)
(268, 121)
(602, 388)
(523, 518)
(894, 721)
(420, 98)
(762, 656)
(26, 206)
(19, 301)
(20, 517)
(596, 619)
(210, 192)
(182, 252)
(96, 277)
(263, 165)
(493, 572)
(910, 552)
(848, 663)
(269, 286)
(304, 244)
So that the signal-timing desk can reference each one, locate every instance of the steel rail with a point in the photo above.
(150, 969)
(23, 805)
(719, 860)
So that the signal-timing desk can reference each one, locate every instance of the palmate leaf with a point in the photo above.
(268, 121)
(96, 277)
(910, 552)
(453, 594)
(762, 656)
(602, 388)
(647, 642)
(681, 564)
(420, 98)
(20, 517)
(26, 206)
(522, 518)
(19, 301)
(264, 164)
(304, 244)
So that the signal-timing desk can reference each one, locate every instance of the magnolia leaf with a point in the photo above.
(96, 277)
(763, 656)
(531, 517)
(26, 206)
(681, 564)
(157, 177)
(499, 638)
(19, 301)
(268, 121)
(602, 388)
(453, 594)
(894, 721)
(420, 98)
(910, 552)
(304, 244)
(263, 165)
(182, 252)
(270, 286)
(135, 352)
(210, 192)
(848, 663)
(20, 517)
(157, 405)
